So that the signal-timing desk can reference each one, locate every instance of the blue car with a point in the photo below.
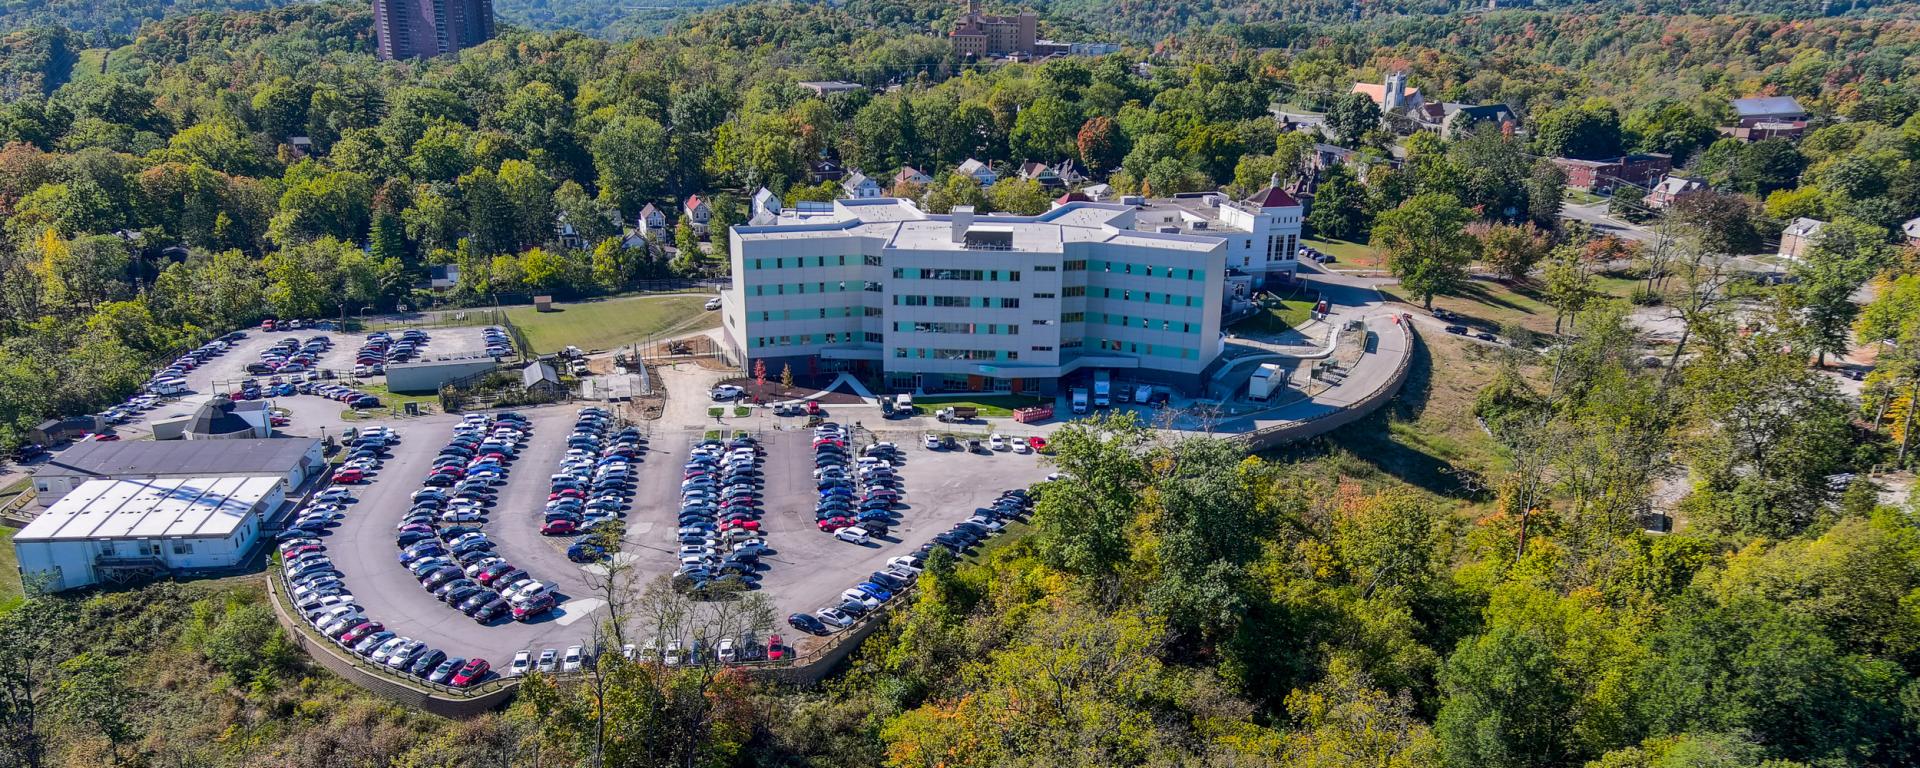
(876, 591)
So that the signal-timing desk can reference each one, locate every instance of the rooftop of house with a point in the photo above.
(1804, 227)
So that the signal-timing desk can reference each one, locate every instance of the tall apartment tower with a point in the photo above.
(414, 29)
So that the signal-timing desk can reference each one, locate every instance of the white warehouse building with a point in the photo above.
(963, 302)
(117, 530)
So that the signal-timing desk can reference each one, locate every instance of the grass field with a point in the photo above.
(1491, 303)
(991, 406)
(1293, 311)
(1346, 254)
(429, 402)
(10, 590)
(613, 322)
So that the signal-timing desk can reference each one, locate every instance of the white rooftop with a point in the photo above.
(900, 224)
(158, 508)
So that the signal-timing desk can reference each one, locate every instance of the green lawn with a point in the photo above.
(1583, 197)
(430, 402)
(613, 322)
(1492, 303)
(990, 406)
(10, 589)
(1293, 310)
(1345, 253)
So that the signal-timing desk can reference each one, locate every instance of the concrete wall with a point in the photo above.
(1263, 439)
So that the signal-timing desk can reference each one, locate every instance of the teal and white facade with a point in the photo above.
(964, 302)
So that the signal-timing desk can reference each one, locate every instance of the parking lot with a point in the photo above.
(807, 570)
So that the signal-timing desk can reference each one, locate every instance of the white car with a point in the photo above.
(546, 662)
(334, 494)
(997, 442)
(1022, 446)
(672, 656)
(713, 304)
(862, 598)
(832, 617)
(522, 661)
(725, 652)
(573, 660)
(465, 515)
(932, 443)
(387, 649)
(853, 536)
(904, 562)
(727, 392)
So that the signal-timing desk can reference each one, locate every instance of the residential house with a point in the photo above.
(981, 172)
(911, 175)
(651, 221)
(1041, 172)
(1912, 230)
(1070, 173)
(1799, 236)
(1602, 176)
(1670, 190)
(443, 276)
(859, 187)
(1098, 193)
(566, 236)
(766, 208)
(826, 167)
(1071, 197)
(698, 213)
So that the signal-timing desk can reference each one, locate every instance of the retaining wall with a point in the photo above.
(386, 685)
(1268, 437)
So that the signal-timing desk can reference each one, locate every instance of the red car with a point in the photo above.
(99, 437)
(281, 421)
(813, 407)
(266, 325)
(750, 525)
(566, 493)
(349, 476)
(559, 528)
(360, 632)
(832, 524)
(472, 672)
(532, 608)
(1037, 443)
(776, 649)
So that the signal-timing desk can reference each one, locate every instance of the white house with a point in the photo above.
(1799, 236)
(981, 172)
(651, 220)
(1912, 230)
(859, 187)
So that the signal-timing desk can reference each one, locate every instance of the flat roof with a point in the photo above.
(207, 458)
(197, 507)
(900, 224)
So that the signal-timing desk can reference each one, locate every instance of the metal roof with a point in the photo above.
(147, 509)
(208, 458)
(1768, 106)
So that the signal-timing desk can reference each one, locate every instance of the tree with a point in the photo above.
(955, 190)
(92, 691)
(690, 258)
(630, 156)
(1513, 250)
(1345, 721)
(786, 377)
(1426, 244)
(1339, 206)
(1588, 131)
(1045, 130)
(1025, 197)
(1352, 117)
(1842, 258)
(1568, 285)
(1101, 144)
(1545, 185)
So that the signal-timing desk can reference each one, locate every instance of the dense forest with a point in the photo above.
(1464, 583)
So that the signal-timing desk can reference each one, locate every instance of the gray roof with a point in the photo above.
(195, 458)
(217, 417)
(1768, 106)
(1804, 227)
(537, 372)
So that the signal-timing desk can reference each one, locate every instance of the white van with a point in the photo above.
(168, 387)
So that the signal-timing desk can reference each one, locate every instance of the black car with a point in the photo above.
(490, 611)
(807, 623)
(1460, 330)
